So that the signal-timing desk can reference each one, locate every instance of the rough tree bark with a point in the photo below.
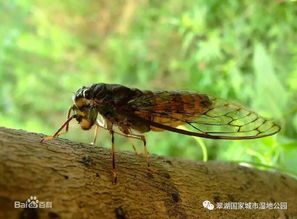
(77, 179)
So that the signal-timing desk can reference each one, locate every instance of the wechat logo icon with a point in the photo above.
(207, 204)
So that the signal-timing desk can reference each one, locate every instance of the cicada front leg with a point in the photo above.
(56, 135)
(65, 124)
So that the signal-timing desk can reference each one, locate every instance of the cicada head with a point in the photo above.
(85, 116)
(84, 110)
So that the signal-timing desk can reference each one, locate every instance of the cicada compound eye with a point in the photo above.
(78, 118)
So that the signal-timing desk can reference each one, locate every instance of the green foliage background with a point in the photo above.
(238, 50)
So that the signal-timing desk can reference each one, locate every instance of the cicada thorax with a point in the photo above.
(182, 106)
(110, 100)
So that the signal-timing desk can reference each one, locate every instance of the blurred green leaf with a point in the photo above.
(243, 51)
(273, 96)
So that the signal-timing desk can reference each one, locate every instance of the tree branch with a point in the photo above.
(77, 179)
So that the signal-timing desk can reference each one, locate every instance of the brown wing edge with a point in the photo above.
(205, 135)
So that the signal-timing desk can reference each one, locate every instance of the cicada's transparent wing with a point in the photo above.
(203, 116)
(231, 120)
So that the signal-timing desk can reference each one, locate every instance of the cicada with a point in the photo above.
(132, 110)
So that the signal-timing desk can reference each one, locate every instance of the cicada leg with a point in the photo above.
(146, 154)
(113, 158)
(95, 134)
(141, 138)
(135, 136)
(134, 149)
(109, 127)
(65, 124)
(56, 135)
